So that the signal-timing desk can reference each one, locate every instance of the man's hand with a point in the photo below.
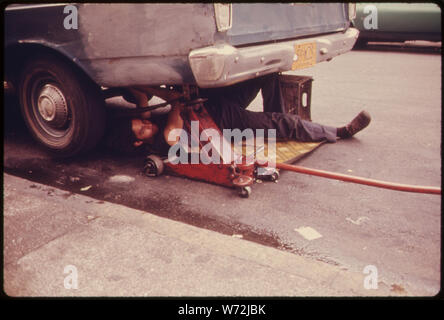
(140, 97)
(142, 94)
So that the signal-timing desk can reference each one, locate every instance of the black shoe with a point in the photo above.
(361, 121)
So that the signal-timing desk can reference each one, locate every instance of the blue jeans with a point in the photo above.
(228, 106)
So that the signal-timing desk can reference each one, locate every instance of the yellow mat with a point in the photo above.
(285, 151)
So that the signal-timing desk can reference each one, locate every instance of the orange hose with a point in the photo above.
(359, 180)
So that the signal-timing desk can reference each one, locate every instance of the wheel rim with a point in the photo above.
(150, 168)
(52, 106)
(49, 106)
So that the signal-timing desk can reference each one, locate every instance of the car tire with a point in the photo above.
(63, 109)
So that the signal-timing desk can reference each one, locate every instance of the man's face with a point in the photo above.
(144, 130)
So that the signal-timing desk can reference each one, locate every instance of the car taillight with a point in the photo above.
(223, 13)
(351, 11)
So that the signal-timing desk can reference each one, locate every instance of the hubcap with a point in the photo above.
(52, 106)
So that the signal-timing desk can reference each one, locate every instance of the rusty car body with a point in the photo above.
(59, 73)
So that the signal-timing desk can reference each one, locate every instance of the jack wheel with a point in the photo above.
(245, 192)
(153, 166)
(275, 176)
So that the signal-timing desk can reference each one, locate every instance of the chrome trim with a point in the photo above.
(223, 65)
(34, 6)
(351, 11)
(216, 16)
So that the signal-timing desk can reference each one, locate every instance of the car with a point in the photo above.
(397, 22)
(62, 60)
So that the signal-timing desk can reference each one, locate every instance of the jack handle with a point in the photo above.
(354, 179)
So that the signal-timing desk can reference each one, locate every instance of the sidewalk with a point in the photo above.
(55, 240)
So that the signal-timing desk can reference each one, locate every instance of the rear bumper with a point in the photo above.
(223, 65)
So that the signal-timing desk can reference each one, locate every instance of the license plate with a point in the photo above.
(304, 55)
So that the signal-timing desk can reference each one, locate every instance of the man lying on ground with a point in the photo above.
(227, 106)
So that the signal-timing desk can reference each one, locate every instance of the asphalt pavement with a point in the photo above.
(130, 235)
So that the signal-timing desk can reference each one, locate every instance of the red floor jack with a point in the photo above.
(237, 172)
(242, 174)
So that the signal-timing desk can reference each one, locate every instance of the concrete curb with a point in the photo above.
(54, 240)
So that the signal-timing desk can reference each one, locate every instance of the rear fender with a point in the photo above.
(18, 54)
